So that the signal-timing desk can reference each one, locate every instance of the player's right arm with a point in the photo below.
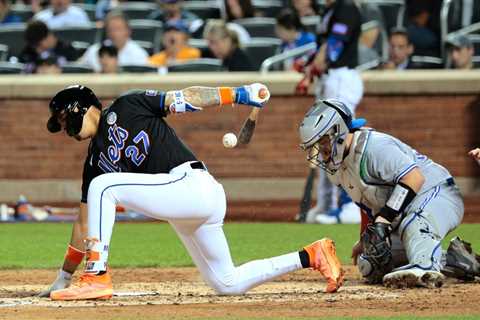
(475, 154)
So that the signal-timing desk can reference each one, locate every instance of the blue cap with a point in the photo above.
(357, 123)
(178, 25)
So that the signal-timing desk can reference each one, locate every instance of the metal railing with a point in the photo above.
(269, 62)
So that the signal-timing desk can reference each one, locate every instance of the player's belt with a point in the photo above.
(450, 181)
(198, 165)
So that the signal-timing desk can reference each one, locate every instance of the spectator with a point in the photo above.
(41, 41)
(305, 8)
(108, 58)
(47, 64)
(171, 10)
(175, 43)
(400, 51)
(423, 27)
(62, 14)
(223, 44)
(461, 52)
(291, 31)
(238, 9)
(6, 16)
(118, 31)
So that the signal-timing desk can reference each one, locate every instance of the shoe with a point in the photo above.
(323, 258)
(461, 262)
(349, 213)
(414, 277)
(89, 286)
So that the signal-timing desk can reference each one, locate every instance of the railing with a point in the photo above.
(269, 62)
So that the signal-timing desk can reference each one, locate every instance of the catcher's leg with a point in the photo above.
(421, 232)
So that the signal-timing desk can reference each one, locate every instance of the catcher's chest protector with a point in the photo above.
(353, 170)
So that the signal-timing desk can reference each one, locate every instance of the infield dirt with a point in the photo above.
(180, 293)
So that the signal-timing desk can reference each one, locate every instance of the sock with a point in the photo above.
(304, 258)
(64, 274)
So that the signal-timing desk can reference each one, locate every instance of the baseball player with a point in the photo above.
(411, 201)
(475, 154)
(136, 160)
(335, 65)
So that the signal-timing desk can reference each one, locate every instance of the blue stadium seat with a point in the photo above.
(259, 49)
(11, 68)
(197, 65)
(259, 27)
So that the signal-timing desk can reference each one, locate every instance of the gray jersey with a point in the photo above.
(376, 163)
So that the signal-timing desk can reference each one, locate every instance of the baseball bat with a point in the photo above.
(246, 132)
(306, 201)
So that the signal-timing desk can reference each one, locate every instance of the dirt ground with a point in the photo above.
(180, 293)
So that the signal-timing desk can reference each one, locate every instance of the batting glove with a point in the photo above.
(255, 94)
(62, 281)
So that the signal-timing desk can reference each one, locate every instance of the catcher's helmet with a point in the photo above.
(71, 104)
(330, 118)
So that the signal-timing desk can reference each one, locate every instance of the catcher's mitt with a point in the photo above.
(376, 260)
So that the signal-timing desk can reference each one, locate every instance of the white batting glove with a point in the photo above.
(62, 281)
(255, 94)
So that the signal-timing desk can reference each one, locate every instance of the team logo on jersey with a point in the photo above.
(151, 93)
(111, 118)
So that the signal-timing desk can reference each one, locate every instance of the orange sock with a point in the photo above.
(74, 255)
(227, 95)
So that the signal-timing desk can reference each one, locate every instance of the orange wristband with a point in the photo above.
(226, 95)
(74, 255)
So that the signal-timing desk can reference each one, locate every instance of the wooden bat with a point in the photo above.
(246, 132)
(306, 201)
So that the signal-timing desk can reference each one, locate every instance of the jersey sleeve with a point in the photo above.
(386, 163)
(149, 102)
(344, 22)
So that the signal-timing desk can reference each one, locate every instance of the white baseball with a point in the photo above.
(229, 140)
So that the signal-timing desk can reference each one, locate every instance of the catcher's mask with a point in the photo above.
(70, 105)
(323, 133)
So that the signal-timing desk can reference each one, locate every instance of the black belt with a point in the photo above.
(198, 165)
(450, 182)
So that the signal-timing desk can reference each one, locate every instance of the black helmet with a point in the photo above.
(74, 102)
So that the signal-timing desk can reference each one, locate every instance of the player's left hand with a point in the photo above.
(256, 95)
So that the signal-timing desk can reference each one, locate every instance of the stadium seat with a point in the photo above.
(147, 45)
(137, 10)
(311, 23)
(76, 68)
(139, 69)
(268, 8)
(12, 36)
(203, 9)
(3, 52)
(428, 62)
(11, 68)
(259, 49)
(147, 30)
(197, 65)
(259, 27)
(89, 34)
(23, 11)
(80, 46)
(393, 12)
(475, 38)
(198, 43)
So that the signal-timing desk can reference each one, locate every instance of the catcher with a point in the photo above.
(410, 202)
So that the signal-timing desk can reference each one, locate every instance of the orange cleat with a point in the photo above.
(323, 258)
(89, 286)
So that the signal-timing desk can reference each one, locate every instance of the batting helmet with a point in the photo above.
(330, 118)
(71, 104)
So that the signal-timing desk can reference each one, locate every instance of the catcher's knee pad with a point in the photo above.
(421, 241)
(370, 272)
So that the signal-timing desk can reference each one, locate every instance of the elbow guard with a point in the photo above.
(400, 198)
(180, 105)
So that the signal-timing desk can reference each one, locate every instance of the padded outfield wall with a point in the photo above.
(437, 112)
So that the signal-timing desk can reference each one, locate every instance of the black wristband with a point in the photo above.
(402, 195)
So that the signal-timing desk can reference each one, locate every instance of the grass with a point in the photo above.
(156, 245)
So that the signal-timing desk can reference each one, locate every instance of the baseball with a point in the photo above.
(229, 140)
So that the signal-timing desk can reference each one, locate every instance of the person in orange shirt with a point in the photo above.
(175, 43)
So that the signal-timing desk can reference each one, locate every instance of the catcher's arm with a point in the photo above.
(196, 98)
(475, 154)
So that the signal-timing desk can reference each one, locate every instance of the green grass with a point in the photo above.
(156, 245)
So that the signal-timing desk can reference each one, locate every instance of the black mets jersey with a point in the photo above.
(133, 137)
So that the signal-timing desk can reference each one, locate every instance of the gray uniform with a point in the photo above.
(375, 164)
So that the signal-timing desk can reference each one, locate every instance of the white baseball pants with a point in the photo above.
(194, 204)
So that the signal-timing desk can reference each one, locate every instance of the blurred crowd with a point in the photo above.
(113, 36)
